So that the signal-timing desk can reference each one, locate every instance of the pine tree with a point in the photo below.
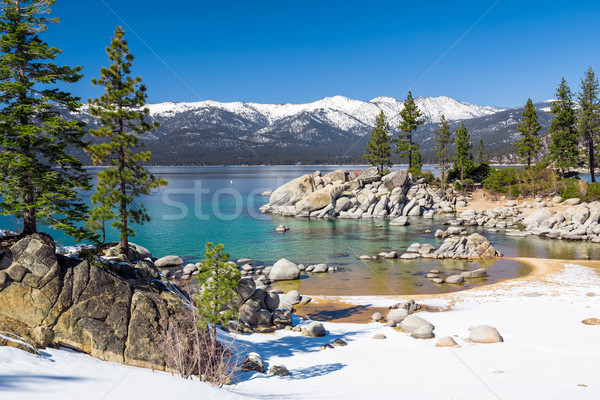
(417, 160)
(217, 280)
(529, 144)
(564, 145)
(38, 177)
(589, 117)
(481, 156)
(378, 150)
(463, 152)
(411, 119)
(442, 147)
(122, 121)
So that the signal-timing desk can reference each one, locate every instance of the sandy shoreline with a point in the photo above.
(356, 309)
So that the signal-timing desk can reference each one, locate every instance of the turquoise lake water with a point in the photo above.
(220, 205)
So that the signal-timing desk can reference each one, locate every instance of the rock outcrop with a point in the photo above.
(366, 196)
(91, 309)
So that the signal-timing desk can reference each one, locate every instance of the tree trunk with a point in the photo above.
(444, 177)
(29, 222)
(592, 166)
(409, 150)
(123, 205)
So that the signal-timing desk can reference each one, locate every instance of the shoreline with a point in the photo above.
(542, 270)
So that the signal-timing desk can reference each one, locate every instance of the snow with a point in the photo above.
(342, 112)
(72, 251)
(5, 232)
(547, 353)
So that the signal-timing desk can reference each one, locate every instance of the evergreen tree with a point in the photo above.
(481, 156)
(529, 144)
(443, 141)
(564, 145)
(463, 152)
(411, 119)
(589, 117)
(378, 150)
(38, 177)
(417, 160)
(218, 280)
(122, 121)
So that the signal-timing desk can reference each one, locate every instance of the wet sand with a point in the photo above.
(341, 309)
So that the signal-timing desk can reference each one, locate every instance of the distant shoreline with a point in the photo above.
(285, 165)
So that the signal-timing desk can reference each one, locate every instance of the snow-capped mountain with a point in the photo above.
(339, 111)
(333, 129)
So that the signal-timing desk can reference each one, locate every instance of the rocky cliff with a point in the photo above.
(112, 316)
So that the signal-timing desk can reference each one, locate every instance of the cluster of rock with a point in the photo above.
(498, 218)
(401, 316)
(283, 269)
(472, 247)
(580, 222)
(259, 308)
(367, 195)
(435, 277)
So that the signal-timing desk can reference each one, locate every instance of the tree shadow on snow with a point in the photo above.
(17, 381)
(290, 345)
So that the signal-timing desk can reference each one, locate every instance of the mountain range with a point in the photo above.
(332, 130)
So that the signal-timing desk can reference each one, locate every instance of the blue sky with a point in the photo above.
(282, 51)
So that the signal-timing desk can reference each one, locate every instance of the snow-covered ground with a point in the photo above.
(547, 353)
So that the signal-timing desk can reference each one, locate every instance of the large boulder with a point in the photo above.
(90, 309)
(396, 315)
(320, 198)
(293, 191)
(484, 334)
(314, 329)
(369, 175)
(284, 270)
(396, 179)
(282, 318)
(337, 175)
(168, 262)
(136, 252)
(411, 323)
(537, 217)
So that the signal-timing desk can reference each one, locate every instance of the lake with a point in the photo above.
(220, 205)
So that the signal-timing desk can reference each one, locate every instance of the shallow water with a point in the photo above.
(220, 204)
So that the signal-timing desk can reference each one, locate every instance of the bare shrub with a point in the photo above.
(583, 187)
(190, 351)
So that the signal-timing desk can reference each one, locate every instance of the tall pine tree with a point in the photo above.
(122, 121)
(38, 177)
(589, 117)
(564, 145)
(379, 150)
(529, 144)
(443, 140)
(411, 119)
(463, 152)
(481, 156)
